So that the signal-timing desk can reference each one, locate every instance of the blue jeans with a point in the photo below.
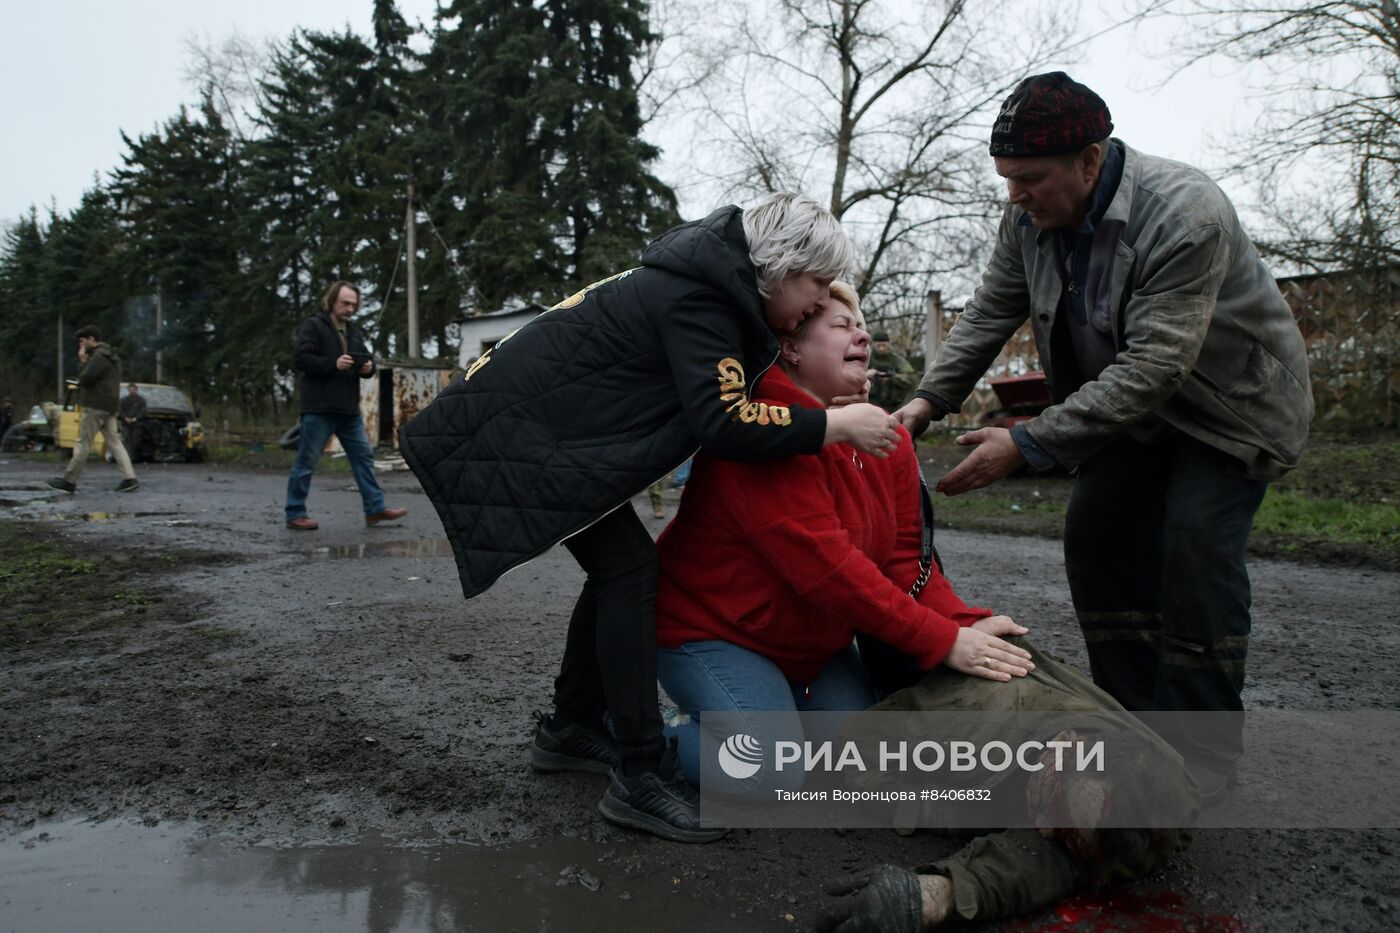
(719, 676)
(315, 431)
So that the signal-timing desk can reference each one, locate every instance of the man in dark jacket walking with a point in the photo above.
(99, 386)
(330, 354)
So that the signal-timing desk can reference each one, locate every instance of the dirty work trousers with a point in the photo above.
(1155, 554)
(89, 425)
(1009, 873)
(315, 431)
(610, 651)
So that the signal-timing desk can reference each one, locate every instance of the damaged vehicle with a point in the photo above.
(169, 431)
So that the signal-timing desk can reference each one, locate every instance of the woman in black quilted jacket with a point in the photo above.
(547, 437)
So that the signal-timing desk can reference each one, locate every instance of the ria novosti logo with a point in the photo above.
(740, 756)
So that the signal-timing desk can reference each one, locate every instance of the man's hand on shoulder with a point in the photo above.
(996, 456)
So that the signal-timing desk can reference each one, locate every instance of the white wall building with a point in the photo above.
(480, 333)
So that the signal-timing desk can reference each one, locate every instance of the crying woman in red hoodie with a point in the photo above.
(770, 569)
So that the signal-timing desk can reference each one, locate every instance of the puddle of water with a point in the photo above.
(100, 516)
(424, 547)
(117, 876)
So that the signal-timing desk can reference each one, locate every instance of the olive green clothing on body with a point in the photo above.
(1009, 873)
(893, 380)
(100, 379)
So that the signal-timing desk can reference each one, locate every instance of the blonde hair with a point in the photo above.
(840, 291)
(789, 234)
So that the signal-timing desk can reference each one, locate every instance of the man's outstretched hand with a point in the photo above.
(915, 416)
(996, 456)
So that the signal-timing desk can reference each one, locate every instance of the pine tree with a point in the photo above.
(177, 189)
(85, 271)
(538, 106)
(607, 204)
(489, 182)
(27, 340)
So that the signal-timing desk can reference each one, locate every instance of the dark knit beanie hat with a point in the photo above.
(1049, 114)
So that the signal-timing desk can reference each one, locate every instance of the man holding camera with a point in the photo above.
(332, 356)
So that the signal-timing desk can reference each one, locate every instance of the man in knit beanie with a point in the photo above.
(1180, 388)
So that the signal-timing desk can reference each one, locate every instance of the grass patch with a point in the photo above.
(1287, 513)
(991, 505)
(52, 594)
(35, 565)
(270, 457)
(1359, 473)
(137, 599)
(1342, 504)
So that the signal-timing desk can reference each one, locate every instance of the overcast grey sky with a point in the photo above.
(74, 73)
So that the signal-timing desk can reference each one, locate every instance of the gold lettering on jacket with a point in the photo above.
(731, 390)
(480, 361)
(582, 293)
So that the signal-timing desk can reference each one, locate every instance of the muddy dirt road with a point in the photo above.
(322, 712)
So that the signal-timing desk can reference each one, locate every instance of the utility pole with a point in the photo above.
(414, 345)
(934, 335)
(59, 344)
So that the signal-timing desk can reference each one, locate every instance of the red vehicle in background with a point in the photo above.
(1020, 398)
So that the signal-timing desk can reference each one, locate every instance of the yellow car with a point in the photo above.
(169, 430)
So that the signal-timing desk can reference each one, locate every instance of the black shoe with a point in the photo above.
(572, 747)
(659, 802)
(59, 482)
(127, 485)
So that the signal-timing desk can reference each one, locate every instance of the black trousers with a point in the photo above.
(610, 652)
(1155, 552)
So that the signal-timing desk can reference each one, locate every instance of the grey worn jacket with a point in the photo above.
(1205, 340)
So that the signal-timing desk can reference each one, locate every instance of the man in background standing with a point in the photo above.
(892, 378)
(332, 357)
(131, 410)
(99, 385)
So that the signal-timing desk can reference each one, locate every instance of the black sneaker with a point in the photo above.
(59, 482)
(572, 747)
(659, 802)
(127, 485)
